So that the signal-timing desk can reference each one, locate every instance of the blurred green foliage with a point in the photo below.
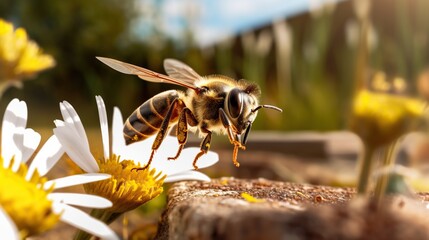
(306, 64)
(74, 32)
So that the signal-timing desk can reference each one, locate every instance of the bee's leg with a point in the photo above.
(234, 156)
(186, 117)
(227, 125)
(162, 132)
(237, 144)
(205, 146)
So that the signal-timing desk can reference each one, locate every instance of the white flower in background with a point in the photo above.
(28, 203)
(128, 188)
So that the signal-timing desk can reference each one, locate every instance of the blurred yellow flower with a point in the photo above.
(20, 57)
(380, 118)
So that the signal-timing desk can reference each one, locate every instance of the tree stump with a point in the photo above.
(229, 208)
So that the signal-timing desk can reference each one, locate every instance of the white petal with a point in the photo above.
(75, 180)
(82, 200)
(8, 229)
(83, 221)
(65, 113)
(207, 160)
(70, 116)
(118, 141)
(59, 123)
(18, 145)
(103, 125)
(14, 122)
(31, 142)
(184, 162)
(138, 151)
(188, 175)
(46, 158)
(77, 149)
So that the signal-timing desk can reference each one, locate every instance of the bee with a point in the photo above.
(213, 103)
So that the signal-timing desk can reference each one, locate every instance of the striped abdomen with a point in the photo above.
(146, 119)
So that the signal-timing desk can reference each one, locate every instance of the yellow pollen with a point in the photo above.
(251, 198)
(26, 202)
(135, 138)
(128, 188)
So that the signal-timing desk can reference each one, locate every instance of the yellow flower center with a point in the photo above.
(128, 187)
(26, 202)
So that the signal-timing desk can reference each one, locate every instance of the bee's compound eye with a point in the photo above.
(235, 102)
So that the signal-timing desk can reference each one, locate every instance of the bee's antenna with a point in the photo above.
(267, 106)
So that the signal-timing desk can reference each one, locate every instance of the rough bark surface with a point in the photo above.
(281, 210)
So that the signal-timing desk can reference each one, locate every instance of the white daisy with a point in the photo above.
(28, 203)
(127, 188)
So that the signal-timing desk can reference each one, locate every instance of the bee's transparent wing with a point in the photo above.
(144, 73)
(180, 71)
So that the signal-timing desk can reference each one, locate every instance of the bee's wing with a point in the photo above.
(180, 71)
(144, 73)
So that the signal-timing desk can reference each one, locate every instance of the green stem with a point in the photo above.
(365, 170)
(388, 161)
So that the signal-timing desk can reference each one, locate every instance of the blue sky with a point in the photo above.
(213, 20)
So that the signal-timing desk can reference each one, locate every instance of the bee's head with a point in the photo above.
(242, 106)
